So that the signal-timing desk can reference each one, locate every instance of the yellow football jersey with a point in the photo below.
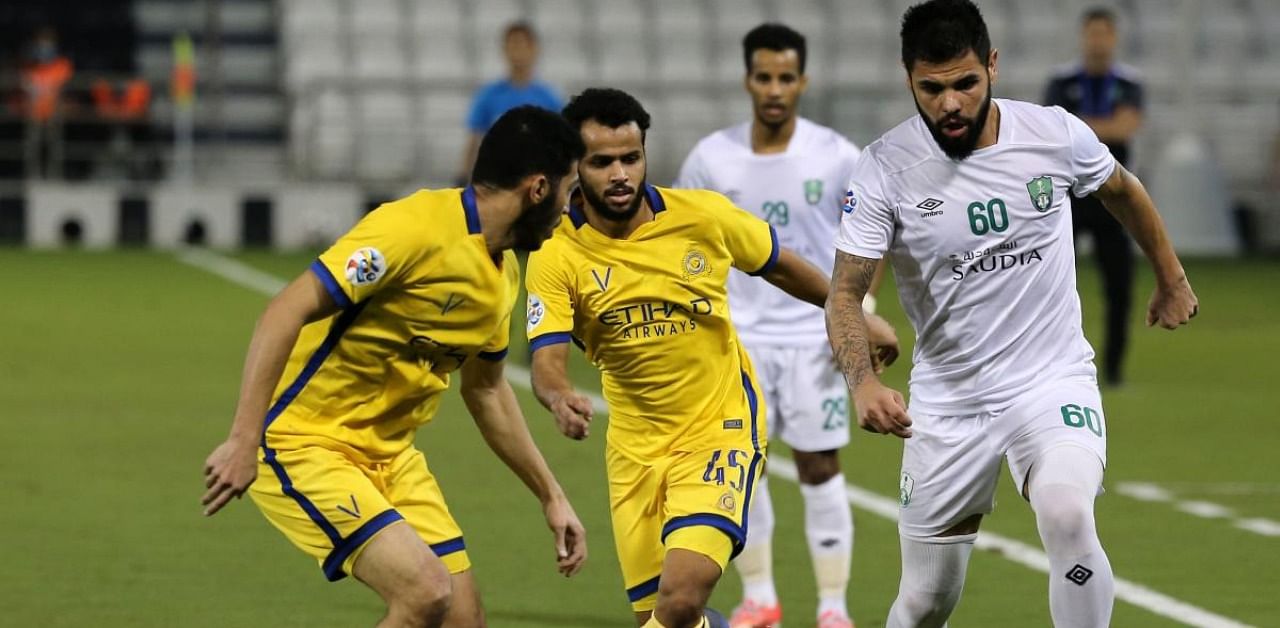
(420, 295)
(652, 313)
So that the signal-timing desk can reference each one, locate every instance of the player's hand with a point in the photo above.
(881, 409)
(571, 537)
(573, 415)
(228, 472)
(884, 342)
(1172, 305)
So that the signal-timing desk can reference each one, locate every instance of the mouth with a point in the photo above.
(774, 109)
(954, 129)
(619, 196)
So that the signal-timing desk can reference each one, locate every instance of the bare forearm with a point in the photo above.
(846, 325)
(800, 279)
(550, 377)
(498, 415)
(1127, 199)
(273, 339)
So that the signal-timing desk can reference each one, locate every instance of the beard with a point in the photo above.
(535, 225)
(959, 148)
(606, 211)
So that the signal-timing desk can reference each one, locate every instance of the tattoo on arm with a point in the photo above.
(846, 326)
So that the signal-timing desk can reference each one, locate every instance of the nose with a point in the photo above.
(617, 174)
(950, 102)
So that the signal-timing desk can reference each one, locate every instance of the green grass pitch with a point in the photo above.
(119, 372)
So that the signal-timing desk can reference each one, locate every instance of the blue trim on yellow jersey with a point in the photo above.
(332, 565)
(754, 406)
(444, 548)
(322, 352)
(655, 199)
(494, 356)
(735, 532)
(773, 254)
(643, 590)
(330, 284)
(469, 207)
(576, 216)
(546, 340)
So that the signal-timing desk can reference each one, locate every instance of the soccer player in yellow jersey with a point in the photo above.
(358, 351)
(638, 275)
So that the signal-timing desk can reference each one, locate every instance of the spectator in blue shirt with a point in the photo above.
(520, 45)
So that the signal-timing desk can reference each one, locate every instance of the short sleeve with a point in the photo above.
(693, 174)
(1091, 160)
(866, 230)
(752, 243)
(834, 203)
(377, 254)
(549, 311)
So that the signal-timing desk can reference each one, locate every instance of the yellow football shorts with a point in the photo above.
(330, 505)
(688, 500)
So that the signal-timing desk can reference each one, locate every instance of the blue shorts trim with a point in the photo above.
(643, 590)
(493, 356)
(330, 284)
(735, 532)
(444, 548)
(546, 340)
(333, 563)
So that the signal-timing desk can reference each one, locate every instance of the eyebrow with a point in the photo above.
(928, 82)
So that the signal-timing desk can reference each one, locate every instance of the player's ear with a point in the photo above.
(804, 83)
(993, 70)
(538, 188)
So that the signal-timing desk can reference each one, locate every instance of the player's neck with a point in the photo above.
(767, 139)
(991, 131)
(498, 210)
(1097, 67)
(520, 76)
(619, 230)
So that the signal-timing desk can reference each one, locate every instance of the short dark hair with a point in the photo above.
(520, 26)
(941, 30)
(524, 141)
(1098, 13)
(611, 107)
(776, 37)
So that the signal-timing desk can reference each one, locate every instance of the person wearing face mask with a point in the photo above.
(354, 355)
(969, 200)
(638, 276)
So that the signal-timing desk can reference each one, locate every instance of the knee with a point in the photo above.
(1064, 523)
(680, 607)
(924, 608)
(425, 602)
(816, 468)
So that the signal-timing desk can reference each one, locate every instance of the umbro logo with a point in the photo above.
(1079, 574)
(929, 207)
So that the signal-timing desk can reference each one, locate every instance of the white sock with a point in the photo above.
(828, 526)
(1063, 484)
(755, 563)
(932, 580)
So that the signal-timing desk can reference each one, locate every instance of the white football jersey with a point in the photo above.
(982, 252)
(800, 192)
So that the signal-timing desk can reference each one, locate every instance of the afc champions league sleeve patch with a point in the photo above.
(535, 311)
(365, 266)
(850, 201)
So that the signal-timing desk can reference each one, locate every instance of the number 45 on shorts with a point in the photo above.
(1082, 416)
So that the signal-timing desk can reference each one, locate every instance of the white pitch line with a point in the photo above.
(1149, 492)
(1015, 551)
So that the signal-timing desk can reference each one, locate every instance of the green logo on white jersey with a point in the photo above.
(1041, 191)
